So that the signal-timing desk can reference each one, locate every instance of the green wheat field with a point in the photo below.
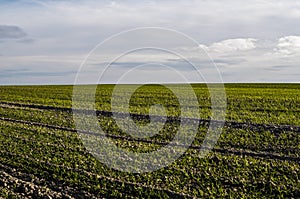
(256, 156)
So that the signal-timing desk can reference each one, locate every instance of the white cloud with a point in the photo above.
(231, 45)
(288, 46)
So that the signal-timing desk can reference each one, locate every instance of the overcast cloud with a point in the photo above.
(45, 42)
(11, 32)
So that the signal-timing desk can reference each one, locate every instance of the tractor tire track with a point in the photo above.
(274, 128)
(241, 152)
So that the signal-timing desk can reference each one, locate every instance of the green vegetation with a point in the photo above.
(257, 155)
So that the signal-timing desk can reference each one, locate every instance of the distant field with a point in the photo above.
(257, 155)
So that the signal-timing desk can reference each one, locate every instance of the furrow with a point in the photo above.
(12, 179)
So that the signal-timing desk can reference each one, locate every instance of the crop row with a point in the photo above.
(231, 175)
(257, 153)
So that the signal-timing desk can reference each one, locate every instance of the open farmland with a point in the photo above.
(257, 154)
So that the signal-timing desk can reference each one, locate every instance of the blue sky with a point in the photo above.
(45, 42)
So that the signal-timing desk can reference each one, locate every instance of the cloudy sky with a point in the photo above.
(45, 42)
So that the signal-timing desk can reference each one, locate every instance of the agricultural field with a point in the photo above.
(257, 154)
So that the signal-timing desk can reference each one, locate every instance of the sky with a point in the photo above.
(46, 42)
